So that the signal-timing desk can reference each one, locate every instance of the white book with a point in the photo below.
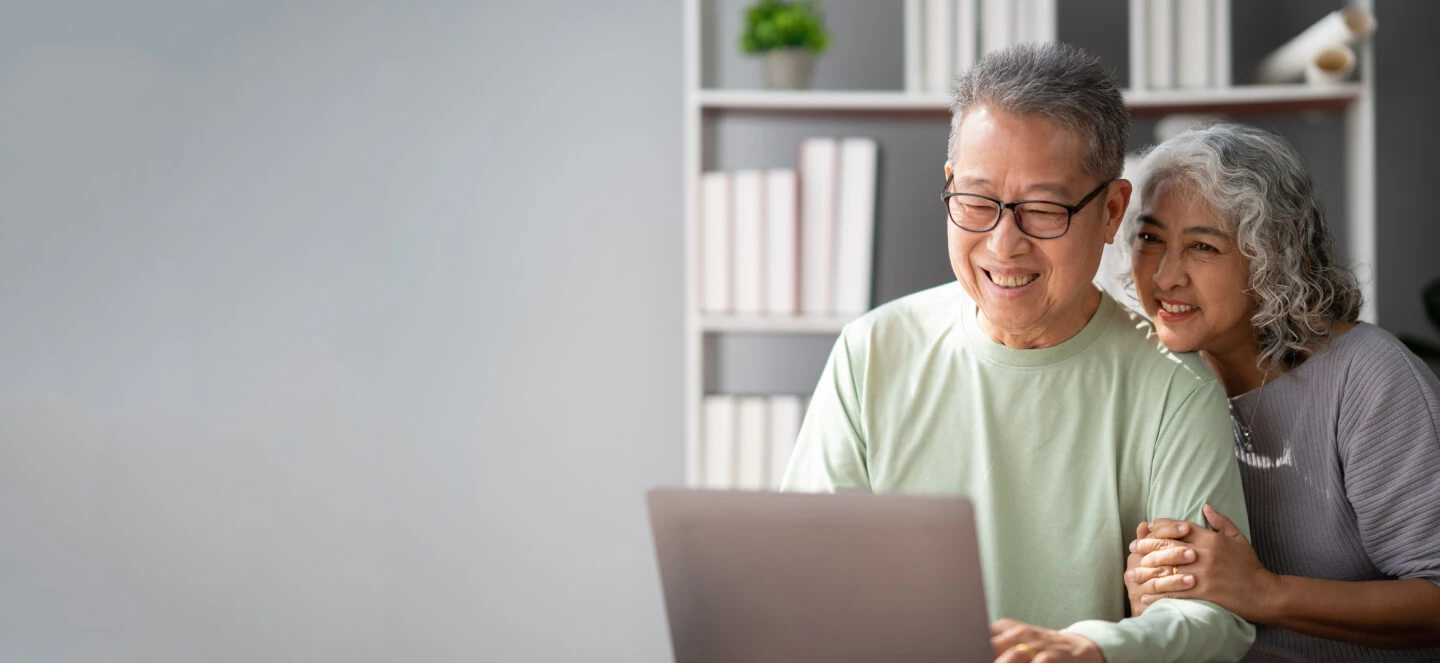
(782, 235)
(967, 36)
(1043, 20)
(819, 163)
(939, 45)
(1021, 28)
(719, 442)
(748, 258)
(855, 230)
(715, 242)
(914, 45)
(1139, 44)
(752, 442)
(786, 412)
(1220, 43)
(1161, 38)
(1193, 40)
(997, 25)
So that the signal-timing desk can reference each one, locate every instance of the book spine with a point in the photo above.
(719, 442)
(1139, 44)
(914, 45)
(786, 411)
(1193, 42)
(715, 281)
(752, 442)
(997, 25)
(855, 234)
(782, 234)
(967, 36)
(819, 162)
(939, 45)
(748, 264)
(1162, 44)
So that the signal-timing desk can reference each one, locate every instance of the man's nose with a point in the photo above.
(1006, 238)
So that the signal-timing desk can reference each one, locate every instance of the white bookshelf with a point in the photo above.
(1355, 100)
(1239, 99)
(772, 324)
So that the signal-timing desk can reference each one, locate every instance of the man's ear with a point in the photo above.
(1115, 204)
(947, 170)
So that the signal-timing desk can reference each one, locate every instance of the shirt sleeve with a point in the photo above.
(1194, 465)
(829, 453)
(1389, 445)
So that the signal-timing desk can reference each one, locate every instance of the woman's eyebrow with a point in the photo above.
(1216, 231)
(1206, 230)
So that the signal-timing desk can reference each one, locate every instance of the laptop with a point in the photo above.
(790, 577)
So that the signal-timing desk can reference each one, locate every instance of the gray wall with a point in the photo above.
(1407, 92)
(336, 330)
(352, 329)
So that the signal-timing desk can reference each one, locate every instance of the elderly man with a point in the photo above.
(1026, 388)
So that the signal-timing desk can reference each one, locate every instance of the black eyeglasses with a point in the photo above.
(1043, 220)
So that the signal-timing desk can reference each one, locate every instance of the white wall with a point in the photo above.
(336, 330)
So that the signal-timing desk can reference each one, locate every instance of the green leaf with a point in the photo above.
(1423, 349)
(774, 24)
(1431, 294)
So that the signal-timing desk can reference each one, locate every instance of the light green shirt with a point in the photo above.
(1063, 451)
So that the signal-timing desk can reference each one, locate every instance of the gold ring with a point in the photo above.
(1174, 570)
(1025, 648)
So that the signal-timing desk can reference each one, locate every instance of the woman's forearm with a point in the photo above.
(1378, 614)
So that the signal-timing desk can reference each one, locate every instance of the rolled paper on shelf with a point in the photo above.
(1288, 63)
(1330, 65)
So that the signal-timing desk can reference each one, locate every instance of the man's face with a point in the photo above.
(1031, 292)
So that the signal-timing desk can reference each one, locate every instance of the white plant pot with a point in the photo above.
(788, 69)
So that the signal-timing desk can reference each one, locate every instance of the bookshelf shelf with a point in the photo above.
(1246, 98)
(774, 324)
(821, 100)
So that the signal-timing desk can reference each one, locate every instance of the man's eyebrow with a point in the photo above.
(1151, 220)
(1055, 188)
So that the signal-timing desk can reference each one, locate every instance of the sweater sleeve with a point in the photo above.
(829, 453)
(1389, 445)
(1194, 464)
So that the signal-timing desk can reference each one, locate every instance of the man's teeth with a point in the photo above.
(1012, 282)
(1177, 308)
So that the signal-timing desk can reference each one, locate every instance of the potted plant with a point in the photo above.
(789, 35)
(1425, 349)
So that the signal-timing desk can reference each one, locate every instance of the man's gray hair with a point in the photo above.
(1059, 82)
(1256, 184)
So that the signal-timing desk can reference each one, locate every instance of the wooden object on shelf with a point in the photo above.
(1343, 27)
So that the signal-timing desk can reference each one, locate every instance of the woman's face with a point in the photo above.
(1190, 275)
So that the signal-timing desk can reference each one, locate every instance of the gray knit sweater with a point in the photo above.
(1342, 478)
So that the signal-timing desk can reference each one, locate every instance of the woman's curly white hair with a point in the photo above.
(1257, 185)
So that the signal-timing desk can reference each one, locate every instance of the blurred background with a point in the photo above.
(354, 330)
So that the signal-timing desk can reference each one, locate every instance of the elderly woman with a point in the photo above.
(1337, 425)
